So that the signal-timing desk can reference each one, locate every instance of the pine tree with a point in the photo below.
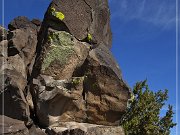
(143, 114)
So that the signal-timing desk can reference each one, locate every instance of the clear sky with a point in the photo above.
(144, 38)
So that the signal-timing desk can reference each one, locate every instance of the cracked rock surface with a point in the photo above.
(59, 76)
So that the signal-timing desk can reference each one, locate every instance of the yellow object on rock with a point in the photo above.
(89, 37)
(58, 15)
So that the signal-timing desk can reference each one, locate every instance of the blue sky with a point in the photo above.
(144, 38)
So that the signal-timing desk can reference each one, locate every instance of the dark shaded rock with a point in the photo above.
(96, 94)
(18, 63)
(105, 92)
(36, 131)
(9, 126)
(23, 42)
(16, 57)
(77, 20)
(82, 17)
(12, 126)
(21, 22)
(74, 128)
(3, 34)
(15, 105)
(37, 22)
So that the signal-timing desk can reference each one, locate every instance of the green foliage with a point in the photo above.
(142, 116)
(58, 15)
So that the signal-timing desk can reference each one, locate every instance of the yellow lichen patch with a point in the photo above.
(53, 9)
(89, 37)
(58, 15)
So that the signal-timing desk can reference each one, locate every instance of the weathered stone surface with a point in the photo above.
(16, 55)
(34, 130)
(61, 70)
(3, 48)
(21, 22)
(15, 105)
(59, 100)
(37, 22)
(9, 126)
(74, 128)
(105, 92)
(3, 34)
(61, 55)
(23, 42)
(100, 95)
(83, 17)
(18, 64)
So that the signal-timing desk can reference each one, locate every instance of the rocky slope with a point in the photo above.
(59, 76)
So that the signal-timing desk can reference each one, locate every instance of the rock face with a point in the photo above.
(74, 128)
(12, 126)
(60, 75)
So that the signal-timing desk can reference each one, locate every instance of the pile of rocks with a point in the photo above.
(59, 76)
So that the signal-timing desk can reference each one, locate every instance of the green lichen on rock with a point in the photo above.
(61, 38)
(58, 15)
(60, 49)
(77, 80)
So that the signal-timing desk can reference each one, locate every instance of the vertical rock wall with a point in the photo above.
(62, 71)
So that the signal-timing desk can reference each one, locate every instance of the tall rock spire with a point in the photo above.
(61, 73)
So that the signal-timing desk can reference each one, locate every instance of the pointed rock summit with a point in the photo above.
(59, 75)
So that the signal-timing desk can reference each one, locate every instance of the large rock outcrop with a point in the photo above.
(59, 74)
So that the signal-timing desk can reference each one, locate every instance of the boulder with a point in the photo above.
(3, 33)
(37, 22)
(60, 73)
(59, 100)
(94, 93)
(74, 128)
(104, 91)
(21, 22)
(15, 104)
(64, 58)
(23, 42)
(81, 18)
(9, 126)
(3, 48)
(17, 53)
(61, 55)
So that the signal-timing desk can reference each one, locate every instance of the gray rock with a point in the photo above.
(105, 92)
(3, 34)
(23, 42)
(61, 70)
(3, 48)
(82, 17)
(61, 55)
(15, 104)
(9, 126)
(60, 100)
(21, 22)
(74, 128)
